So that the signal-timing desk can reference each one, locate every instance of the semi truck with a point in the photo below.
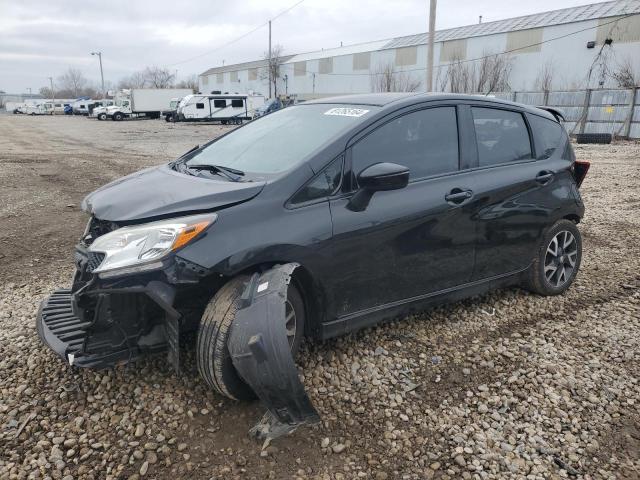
(225, 108)
(143, 102)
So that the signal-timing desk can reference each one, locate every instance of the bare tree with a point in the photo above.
(625, 75)
(190, 82)
(135, 80)
(157, 77)
(45, 92)
(544, 80)
(488, 74)
(273, 65)
(72, 81)
(385, 78)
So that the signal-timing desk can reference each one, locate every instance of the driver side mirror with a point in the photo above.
(378, 177)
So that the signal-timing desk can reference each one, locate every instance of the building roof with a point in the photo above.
(544, 19)
(242, 66)
(581, 13)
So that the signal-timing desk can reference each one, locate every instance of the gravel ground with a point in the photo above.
(507, 385)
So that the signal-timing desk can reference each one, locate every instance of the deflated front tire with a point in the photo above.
(213, 358)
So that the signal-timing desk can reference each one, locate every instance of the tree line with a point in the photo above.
(73, 84)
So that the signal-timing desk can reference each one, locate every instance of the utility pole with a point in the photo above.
(99, 54)
(432, 33)
(270, 66)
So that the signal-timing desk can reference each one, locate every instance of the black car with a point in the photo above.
(313, 221)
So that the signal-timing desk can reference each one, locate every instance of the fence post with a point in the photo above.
(545, 100)
(632, 106)
(515, 95)
(585, 110)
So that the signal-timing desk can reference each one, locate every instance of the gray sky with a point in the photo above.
(42, 38)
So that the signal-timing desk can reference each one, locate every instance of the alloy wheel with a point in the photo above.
(560, 258)
(290, 322)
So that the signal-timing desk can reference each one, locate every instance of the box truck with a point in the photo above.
(144, 102)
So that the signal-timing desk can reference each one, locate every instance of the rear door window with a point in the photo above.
(501, 135)
(425, 141)
(547, 135)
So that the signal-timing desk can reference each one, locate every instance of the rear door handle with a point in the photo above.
(544, 176)
(458, 195)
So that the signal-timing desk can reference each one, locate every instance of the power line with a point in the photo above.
(288, 65)
(231, 42)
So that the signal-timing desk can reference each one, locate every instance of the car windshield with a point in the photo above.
(277, 142)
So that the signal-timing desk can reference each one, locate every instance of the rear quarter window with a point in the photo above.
(547, 135)
(501, 136)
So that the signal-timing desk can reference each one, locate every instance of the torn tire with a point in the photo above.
(212, 355)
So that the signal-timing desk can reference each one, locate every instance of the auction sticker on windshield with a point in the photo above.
(346, 112)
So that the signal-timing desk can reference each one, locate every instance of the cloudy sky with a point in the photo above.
(42, 38)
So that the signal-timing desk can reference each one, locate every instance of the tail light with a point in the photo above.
(580, 169)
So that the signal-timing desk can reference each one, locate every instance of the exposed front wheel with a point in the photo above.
(213, 357)
(102, 116)
(558, 260)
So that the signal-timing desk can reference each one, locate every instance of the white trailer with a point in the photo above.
(144, 102)
(224, 108)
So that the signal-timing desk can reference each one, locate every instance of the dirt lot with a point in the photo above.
(508, 385)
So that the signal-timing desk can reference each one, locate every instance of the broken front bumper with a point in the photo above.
(66, 334)
(103, 327)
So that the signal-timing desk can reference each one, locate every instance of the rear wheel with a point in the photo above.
(117, 116)
(213, 357)
(558, 260)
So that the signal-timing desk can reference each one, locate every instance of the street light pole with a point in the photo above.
(432, 32)
(53, 95)
(270, 66)
(99, 54)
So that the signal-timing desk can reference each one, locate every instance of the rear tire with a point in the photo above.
(117, 117)
(557, 260)
(212, 354)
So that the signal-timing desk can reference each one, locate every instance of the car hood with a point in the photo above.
(161, 191)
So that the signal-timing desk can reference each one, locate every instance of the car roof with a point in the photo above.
(400, 99)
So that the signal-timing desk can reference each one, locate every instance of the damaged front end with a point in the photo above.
(119, 309)
(110, 317)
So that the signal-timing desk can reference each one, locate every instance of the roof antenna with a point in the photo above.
(480, 19)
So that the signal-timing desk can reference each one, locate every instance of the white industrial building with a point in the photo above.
(570, 43)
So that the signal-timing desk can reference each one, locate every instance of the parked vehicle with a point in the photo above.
(144, 102)
(99, 109)
(224, 108)
(314, 221)
(81, 106)
(268, 107)
(38, 109)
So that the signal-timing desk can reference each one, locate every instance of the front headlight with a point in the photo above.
(141, 247)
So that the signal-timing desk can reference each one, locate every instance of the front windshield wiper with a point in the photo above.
(231, 173)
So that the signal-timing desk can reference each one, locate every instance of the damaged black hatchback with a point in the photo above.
(313, 221)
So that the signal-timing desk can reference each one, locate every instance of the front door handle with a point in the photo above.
(458, 195)
(544, 176)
